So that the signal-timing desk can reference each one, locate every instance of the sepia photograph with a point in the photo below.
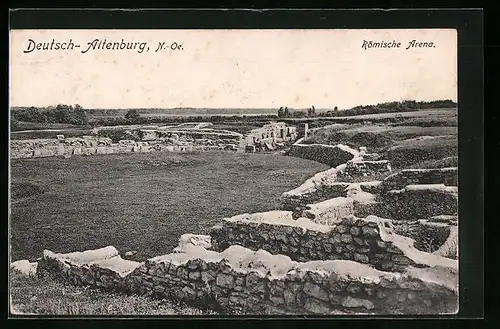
(233, 172)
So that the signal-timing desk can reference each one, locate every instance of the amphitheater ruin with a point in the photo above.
(333, 247)
(182, 138)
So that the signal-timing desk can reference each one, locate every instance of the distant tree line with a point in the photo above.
(68, 114)
(76, 115)
(138, 118)
(390, 107)
(284, 112)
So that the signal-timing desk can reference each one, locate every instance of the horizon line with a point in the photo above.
(233, 108)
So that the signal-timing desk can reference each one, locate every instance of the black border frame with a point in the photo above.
(469, 24)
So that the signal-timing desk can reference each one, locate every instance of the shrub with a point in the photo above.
(132, 115)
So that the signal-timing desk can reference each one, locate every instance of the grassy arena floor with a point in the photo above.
(140, 202)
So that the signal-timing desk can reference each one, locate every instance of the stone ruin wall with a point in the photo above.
(421, 201)
(173, 141)
(397, 181)
(323, 193)
(414, 202)
(415, 198)
(320, 187)
(327, 185)
(241, 281)
(201, 138)
(352, 239)
(270, 137)
(79, 269)
(359, 168)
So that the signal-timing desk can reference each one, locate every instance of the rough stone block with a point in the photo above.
(224, 280)
(351, 302)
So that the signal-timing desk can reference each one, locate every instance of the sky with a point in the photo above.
(233, 68)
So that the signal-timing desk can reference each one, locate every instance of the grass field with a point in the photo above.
(448, 114)
(409, 142)
(141, 202)
(33, 130)
(21, 125)
(45, 296)
(239, 128)
(43, 134)
(374, 137)
(431, 113)
(412, 152)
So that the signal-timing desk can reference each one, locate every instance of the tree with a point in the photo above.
(79, 116)
(298, 114)
(286, 112)
(336, 109)
(132, 115)
(281, 112)
(66, 114)
(31, 114)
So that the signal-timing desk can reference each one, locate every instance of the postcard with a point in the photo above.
(233, 172)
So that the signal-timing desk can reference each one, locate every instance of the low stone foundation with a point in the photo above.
(365, 241)
(397, 181)
(101, 268)
(169, 140)
(371, 207)
(323, 187)
(320, 187)
(242, 281)
(360, 168)
(421, 201)
(330, 212)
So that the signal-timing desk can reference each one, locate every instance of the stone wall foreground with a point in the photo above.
(241, 281)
